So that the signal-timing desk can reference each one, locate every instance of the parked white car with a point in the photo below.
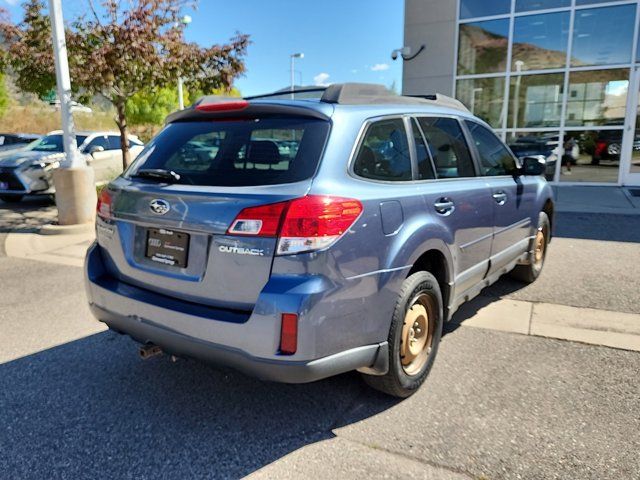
(28, 171)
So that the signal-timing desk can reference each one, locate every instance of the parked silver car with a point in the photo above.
(28, 171)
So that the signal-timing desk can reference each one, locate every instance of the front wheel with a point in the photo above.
(531, 271)
(414, 336)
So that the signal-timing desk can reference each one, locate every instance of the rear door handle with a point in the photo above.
(444, 206)
(500, 198)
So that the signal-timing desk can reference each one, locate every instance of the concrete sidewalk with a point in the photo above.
(585, 325)
(596, 199)
(65, 249)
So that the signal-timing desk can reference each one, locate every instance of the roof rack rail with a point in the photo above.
(361, 94)
(443, 100)
(370, 93)
(285, 93)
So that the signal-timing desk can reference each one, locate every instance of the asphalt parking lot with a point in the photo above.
(79, 403)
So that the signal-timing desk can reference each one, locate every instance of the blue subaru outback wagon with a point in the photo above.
(299, 239)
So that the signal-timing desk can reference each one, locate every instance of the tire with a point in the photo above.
(419, 302)
(11, 198)
(531, 271)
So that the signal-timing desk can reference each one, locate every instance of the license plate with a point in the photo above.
(4, 185)
(167, 247)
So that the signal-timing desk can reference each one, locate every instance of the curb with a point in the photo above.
(64, 246)
(53, 229)
(577, 324)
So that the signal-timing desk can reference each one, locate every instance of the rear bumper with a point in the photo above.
(215, 336)
(145, 331)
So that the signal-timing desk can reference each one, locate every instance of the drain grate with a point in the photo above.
(635, 192)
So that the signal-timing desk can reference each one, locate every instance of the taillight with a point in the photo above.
(314, 222)
(601, 147)
(304, 224)
(262, 221)
(289, 334)
(103, 209)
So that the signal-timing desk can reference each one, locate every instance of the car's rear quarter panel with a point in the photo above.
(367, 266)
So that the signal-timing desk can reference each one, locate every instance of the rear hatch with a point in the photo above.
(165, 224)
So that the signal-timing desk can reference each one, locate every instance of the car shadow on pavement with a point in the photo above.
(92, 408)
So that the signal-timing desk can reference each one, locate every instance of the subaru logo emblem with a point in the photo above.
(159, 206)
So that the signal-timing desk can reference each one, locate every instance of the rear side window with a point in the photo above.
(237, 153)
(384, 153)
(114, 142)
(425, 168)
(495, 158)
(448, 147)
(99, 141)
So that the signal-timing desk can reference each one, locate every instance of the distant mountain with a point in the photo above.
(481, 51)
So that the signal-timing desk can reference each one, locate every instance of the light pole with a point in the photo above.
(186, 20)
(293, 56)
(73, 158)
(74, 180)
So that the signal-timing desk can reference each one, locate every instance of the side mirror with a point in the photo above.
(96, 149)
(533, 165)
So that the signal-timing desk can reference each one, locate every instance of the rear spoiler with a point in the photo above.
(216, 107)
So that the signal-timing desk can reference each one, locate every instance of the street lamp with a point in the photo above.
(74, 180)
(186, 20)
(293, 56)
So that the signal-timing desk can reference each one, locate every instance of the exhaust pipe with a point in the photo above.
(149, 350)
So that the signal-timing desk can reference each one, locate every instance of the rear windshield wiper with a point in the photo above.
(168, 176)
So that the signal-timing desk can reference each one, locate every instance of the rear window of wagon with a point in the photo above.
(249, 152)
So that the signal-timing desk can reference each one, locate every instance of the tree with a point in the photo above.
(4, 95)
(119, 51)
(152, 107)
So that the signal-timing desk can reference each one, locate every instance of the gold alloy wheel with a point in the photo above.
(417, 334)
(540, 246)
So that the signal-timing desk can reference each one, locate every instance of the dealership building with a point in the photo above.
(545, 74)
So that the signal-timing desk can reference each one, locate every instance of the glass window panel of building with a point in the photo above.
(526, 5)
(482, 47)
(603, 36)
(591, 2)
(534, 144)
(597, 97)
(484, 97)
(540, 41)
(591, 156)
(535, 100)
(635, 152)
(483, 8)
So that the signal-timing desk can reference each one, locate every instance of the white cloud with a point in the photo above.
(321, 79)
(355, 70)
(379, 67)
(11, 2)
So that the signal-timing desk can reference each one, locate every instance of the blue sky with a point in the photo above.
(342, 40)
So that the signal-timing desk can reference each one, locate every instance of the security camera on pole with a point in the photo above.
(74, 181)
